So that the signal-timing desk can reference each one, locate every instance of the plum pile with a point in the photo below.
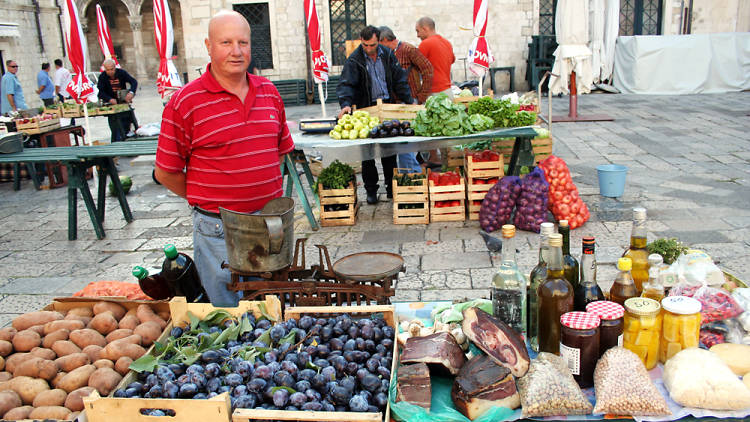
(319, 364)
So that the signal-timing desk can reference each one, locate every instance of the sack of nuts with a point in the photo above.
(623, 386)
(548, 389)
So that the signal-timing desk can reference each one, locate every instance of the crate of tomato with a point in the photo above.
(447, 196)
(483, 169)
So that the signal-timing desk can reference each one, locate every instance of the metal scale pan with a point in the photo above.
(368, 266)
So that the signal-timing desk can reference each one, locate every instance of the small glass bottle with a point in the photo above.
(579, 345)
(680, 327)
(611, 326)
(536, 279)
(637, 251)
(570, 264)
(587, 290)
(509, 286)
(555, 298)
(643, 321)
(654, 288)
(623, 288)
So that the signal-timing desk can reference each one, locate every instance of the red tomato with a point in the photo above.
(575, 207)
(564, 210)
(567, 199)
(557, 196)
(480, 182)
(553, 174)
(445, 179)
(493, 180)
(455, 203)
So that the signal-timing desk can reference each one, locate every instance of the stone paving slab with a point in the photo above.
(34, 285)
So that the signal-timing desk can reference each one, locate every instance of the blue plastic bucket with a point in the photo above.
(611, 179)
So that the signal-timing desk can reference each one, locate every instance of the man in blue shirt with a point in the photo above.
(12, 98)
(46, 88)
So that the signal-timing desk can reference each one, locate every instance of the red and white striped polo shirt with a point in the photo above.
(230, 149)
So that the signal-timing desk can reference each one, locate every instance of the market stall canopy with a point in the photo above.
(9, 30)
(167, 79)
(104, 37)
(480, 56)
(572, 54)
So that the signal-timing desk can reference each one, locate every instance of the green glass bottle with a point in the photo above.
(571, 268)
(536, 278)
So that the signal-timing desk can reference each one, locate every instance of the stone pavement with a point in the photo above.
(689, 161)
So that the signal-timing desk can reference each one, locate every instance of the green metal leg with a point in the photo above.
(16, 176)
(78, 181)
(310, 180)
(72, 204)
(109, 164)
(289, 164)
(523, 155)
(289, 181)
(101, 192)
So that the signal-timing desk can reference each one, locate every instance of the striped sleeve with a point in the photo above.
(286, 143)
(171, 150)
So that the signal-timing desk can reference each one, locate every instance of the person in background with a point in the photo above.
(113, 89)
(222, 138)
(62, 79)
(12, 94)
(418, 74)
(439, 52)
(370, 73)
(46, 88)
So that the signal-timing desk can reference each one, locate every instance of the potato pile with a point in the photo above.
(50, 360)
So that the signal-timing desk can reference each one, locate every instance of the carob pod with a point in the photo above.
(439, 349)
(497, 339)
(482, 384)
(414, 385)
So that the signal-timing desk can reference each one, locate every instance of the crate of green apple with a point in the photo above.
(321, 360)
(391, 128)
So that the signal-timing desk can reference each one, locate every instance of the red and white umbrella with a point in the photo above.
(167, 80)
(104, 37)
(319, 59)
(480, 56)
(79, 87)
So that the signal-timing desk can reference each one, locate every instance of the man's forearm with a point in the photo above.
(175, 182)
(11, 101)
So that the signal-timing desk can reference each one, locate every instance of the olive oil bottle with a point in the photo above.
(637, 252)
(624, 287)
(570, 264)
(555, 298)
(536, 278)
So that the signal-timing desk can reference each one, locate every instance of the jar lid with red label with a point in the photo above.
(606, 309)
(580, 320)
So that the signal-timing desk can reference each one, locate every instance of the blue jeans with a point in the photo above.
(409, 161)
(209, 251)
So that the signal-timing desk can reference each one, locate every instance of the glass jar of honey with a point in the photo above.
(680, 327)
(643, 329)
(579, 345)
(611, 326)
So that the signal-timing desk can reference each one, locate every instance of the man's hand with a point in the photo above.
(112, 101)
(345, 110)
(129, 97)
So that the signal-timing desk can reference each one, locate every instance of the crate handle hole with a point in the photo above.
(158, 412)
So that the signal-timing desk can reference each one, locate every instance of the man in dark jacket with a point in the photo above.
(370, 73)
(112, 90)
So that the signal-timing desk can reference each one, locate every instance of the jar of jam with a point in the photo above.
(643, 329)
(611, 325)
(681, 325)
(579, 345)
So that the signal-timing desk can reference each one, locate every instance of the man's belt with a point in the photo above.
(207, 213)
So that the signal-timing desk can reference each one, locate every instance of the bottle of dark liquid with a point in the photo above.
(555, 298)
(624, 287)
(509, 286)
(180, 272)
(637, 252)
(570, 264)
(536, 279)
(155, 286)
(588, 290)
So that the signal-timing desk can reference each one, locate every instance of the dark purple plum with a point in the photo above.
(233, 380)
(312, 405)
(370, 383)
(297, 399)
(340, 395)
(358, 404)
(280, 398)
(302, 385)
(187, 390)
(256, 385)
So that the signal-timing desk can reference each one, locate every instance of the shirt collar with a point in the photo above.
(212, 85)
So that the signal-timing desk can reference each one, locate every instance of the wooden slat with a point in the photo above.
(98, 409)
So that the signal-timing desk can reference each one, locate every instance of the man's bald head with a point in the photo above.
(228, 45)
(223, 18)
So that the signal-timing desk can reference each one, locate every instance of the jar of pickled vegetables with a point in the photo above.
(681, 325)
(643, 329)
(611, 326)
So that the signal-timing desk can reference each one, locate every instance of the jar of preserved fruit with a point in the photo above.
(579, 345)
(643, 329)
(611, 325)
(681, 325)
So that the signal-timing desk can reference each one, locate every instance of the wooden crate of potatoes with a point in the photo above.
(338, 207)
(410, 198)
(480, 177)
(447, 202)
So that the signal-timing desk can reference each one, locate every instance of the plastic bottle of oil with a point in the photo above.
(637, 252)
(180, 272)
(623, 287)
(536, 278)
(653, 288)
(555, 298)
(155, 286)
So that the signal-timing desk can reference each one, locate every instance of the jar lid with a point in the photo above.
(682, 305)
(580, 320)
(606, 309)
(642, 306)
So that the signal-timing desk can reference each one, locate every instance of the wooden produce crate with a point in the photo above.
(388, 311)
(386, 111)
(455, 158)
(468, 100)
(476, 172)
(93, 111)
(410, 195)
(72, 110)
(447, 193)
(542, 148)
(37, 126)
(56, 111)
(347, 196)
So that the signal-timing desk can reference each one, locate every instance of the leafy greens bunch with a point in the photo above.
(336, 176)
(503, 112)
(442, 117)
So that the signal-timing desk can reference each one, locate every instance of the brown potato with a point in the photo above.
(118, 311)
(129, 322)
(145, 313)
(74, 401)
(8, 401)
(36, 368)
(43, 353)
(54, 397)
(76, 378)
(149, 332)
(6, 348)
(16, 359)
(27, 387)
(87, 337)
(104, 323)
(51, 338)
(83, 311)
(18, 414)
(104, 380)
(49, 412)
(132, 339)
(2, 363)
(5, 376)
(119, 348)
(104, 363)
(93, 351)
(164, 315)
(70, 325)
(7, 333)
(118, 334)
(122, 366)
(39, 329)
(56, 380)
(31, 319)
(65, 347)
(86, 320)
(72, 361)
(26, 340)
